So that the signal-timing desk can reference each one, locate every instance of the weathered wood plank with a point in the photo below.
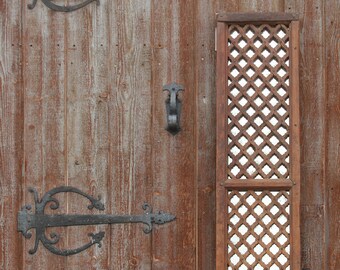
(256, 17)
(295, 146)
(221, 141)
(205, 132)
(11, 133)
(258, 184)
(261, 6)
(205, 126)
(100, 72)
(312, 98)
(332, 158)
(87, 125)
(173, 245)
(43, 77)
(227, 6)
(130, 126)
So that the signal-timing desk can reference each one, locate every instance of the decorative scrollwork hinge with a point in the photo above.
(56, 7)
(41, 221)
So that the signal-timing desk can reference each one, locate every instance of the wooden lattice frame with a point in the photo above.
(258, 143)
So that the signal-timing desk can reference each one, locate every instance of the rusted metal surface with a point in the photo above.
(81, 105)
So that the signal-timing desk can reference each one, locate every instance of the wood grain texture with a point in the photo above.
(221, 143)
(205, 132)
(93, 116)
(261, 6)
(11, 133)
(256, 184)
(206, 125)
(87, 126)
(256, 17)
(332, 139)
(130, 130)
(173, 245)
(227, 6)
(312, 100)
(44, 146)
(295, 146)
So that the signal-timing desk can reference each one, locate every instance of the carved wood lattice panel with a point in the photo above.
(258, 146)
(258, 102)
(258, 230)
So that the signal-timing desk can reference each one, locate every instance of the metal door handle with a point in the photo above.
(173, 107)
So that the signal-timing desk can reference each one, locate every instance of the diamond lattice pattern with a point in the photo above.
(258, 230)
(258, 102)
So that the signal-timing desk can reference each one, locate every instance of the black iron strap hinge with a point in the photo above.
(41, 221)
(56, 7)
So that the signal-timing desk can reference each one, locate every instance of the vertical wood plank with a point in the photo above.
(332, 158)
(99, 162)
(261, 6)
(173, 245)
(227, 6)
(130, 131)
(87, 125)
(221, 138)
(295, 254)
(312, 100)
(11, 133)
(205, 134)
(44, 151)
(206, 127)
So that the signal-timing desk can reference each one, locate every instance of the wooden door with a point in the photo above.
(90, 113)
(81, 102)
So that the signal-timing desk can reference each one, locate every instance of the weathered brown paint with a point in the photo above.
(332, 133)
(130, 125)
(205, 134)
(11, 135)
(86, 133)
(44, 122)
(312, 100)
(123, 27)
(174, 156)
(295, 146)
(221, 140)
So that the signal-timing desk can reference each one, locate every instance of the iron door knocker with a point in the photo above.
(173, 107)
